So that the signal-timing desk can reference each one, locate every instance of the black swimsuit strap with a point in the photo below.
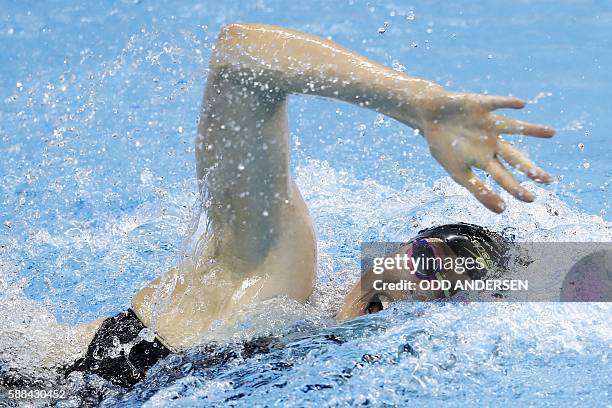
(118, 354)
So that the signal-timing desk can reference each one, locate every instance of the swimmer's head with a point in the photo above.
(435, 244)
(470, 241)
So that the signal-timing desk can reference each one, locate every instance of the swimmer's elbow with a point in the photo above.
(235, 43)
(231, 36)
(229, 40)
(232, 32)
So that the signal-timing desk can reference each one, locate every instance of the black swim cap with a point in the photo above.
(471, 241)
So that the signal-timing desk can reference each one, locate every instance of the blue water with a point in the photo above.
(98, 108)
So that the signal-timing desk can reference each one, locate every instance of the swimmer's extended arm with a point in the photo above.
(461, 129)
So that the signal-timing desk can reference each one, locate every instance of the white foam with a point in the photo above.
(30, 337)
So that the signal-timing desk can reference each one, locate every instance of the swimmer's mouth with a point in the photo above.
(377, 303)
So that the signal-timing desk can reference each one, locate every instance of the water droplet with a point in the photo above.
(147, 334)
(586, 165)
(265, 213)
(241, 167)
(383, 29)
(362, 129)
(410, 15)
(180, 129)
(397, 66)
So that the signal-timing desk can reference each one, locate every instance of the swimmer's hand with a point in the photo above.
(464, 132)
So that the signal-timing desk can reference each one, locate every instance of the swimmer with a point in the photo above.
(261, 241)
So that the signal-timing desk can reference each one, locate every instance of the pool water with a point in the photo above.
(99, 106)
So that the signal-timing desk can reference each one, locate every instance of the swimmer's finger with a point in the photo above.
(480, 190)
(500, 102)
(518, 127)
(519, 161)
(463, 175)
(505, 179)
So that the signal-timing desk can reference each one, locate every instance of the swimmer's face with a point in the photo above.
(374, 293)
